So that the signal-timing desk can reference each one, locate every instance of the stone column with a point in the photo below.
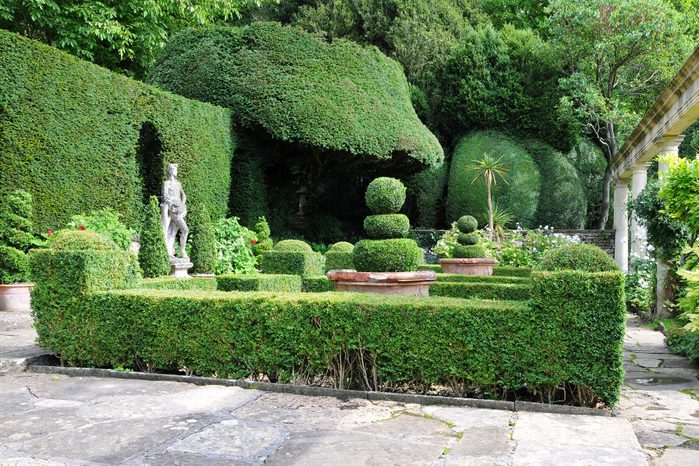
(639, 241)
(665, 145)
(621, 225)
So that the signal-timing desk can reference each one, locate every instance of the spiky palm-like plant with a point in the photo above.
(489, 168)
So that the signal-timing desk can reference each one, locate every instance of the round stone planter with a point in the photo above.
(475, 266)
(15, 297)
(399, 283)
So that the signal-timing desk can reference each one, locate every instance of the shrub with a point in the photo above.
(81, 240)
(386, 255)
(467, 224)
(293, 245)
(74, 124)
(520, 195)
(583, 257)
(386, 226)
(385, 195)
(202, 239)
(339, 256)
(511, 271)
(562, 199)
(427, 188)
(480, 346)
(259, 282)
(292, 263)
(342, 246)
(264, 239)
(234, 245)
(491, 279)
(318, 284)
(16, 237)
(520, 248)
(436, 268)
(476, 290)
(334, 96)
(153, 256)
(468, 239)
(473, 251)
(173, 283)
(105, 222)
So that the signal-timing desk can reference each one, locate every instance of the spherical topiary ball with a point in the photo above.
(342, 246)
(584, 257)
(385, 195)
(292, 245)
(467, 224)
(467, 239)
(81, 240)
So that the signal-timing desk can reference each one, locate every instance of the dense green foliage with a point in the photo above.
(492, 279)
(234, 245)
(317, 284)
(172, 283)
(153, 255)
(105, 222)
(481, 290)
(386, 255)
(264, 241)
(385, 226)
(478, 345)
(202, 239)
(80, 138)
(468, 240)
(342, 246)
(511, 271)
(467, 224)
(16, 237)
(590, 166)
(275, 78)
(582, 257)
(259, 282)
(427, 189)
(293, 245)
(562, 201)
(292, 263)
(679, 189)
(526, 248)
(518, 192)
(81, 240)
(505, 79)
(468, 251)
(385, 195)
(339, 256)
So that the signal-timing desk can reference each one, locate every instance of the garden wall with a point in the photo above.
(567, 336)
(80, 137)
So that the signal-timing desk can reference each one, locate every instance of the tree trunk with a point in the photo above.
(606, 188)
(490, 211)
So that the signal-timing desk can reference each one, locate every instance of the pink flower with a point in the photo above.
(49, 233)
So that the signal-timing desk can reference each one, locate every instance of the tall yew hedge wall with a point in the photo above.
(298, 88)
(69, 134)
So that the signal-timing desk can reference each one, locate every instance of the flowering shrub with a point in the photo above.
(234, 245)
(640, 286)
(521, 248)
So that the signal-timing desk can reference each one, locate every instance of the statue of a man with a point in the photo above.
(173, 210)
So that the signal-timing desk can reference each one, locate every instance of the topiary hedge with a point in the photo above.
(152, 255)
(519, 192)
(81, 240)
(80, 138)
(292, 263)
(173, 283)
(386, 255)
(480, 345)
(298, 88)
(293, 245)
(482, 290)
(339, 256)
(386, 226)
(259, 282)
(562, 199)
(584, 257)
(317, 284)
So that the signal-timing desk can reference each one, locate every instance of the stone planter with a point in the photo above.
(15, 297)
(398, 283)
(475, 266)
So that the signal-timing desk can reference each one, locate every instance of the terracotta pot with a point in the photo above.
(399, 283)
(15, 297)
(475, 266)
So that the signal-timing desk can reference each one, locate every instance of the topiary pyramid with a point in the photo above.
(469, 240)
(388, 250)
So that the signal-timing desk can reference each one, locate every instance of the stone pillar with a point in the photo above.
(665, 145)
(621, 225)
(639, 241)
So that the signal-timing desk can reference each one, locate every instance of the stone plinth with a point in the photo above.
(474, 266)
(398, 283)
(179, 268)
(15, 297)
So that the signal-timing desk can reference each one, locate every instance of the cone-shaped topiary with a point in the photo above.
(153, 253)
(469, 246)
(203, 254)
(16, 237)
(391, 251)
(264, 239)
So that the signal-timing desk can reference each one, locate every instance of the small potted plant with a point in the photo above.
(16, 239)
(469, 254)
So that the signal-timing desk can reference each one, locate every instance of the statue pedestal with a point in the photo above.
(179, 268)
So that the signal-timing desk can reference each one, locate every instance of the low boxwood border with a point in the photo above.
(502, 291)
(259, 282)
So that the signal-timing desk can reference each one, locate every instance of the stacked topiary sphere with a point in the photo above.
(388, 250)
(469, 246)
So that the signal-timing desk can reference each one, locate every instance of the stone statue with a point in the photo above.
(173, 210)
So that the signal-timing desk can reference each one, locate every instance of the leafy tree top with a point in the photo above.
(333, 97)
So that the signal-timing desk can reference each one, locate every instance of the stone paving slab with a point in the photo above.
(17, 338)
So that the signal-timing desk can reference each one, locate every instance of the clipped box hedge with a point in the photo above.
(454, 277)
(259, 282)
(67, 124)
(318, 284)
(292, 263)
(482, 290)
(570, 332)
(511, 271)
(172, 283)
(338, 260)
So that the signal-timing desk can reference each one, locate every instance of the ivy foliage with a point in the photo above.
(298, 88)
(518, 192)
(80, 138)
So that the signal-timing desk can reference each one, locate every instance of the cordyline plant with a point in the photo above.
(489, 168)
